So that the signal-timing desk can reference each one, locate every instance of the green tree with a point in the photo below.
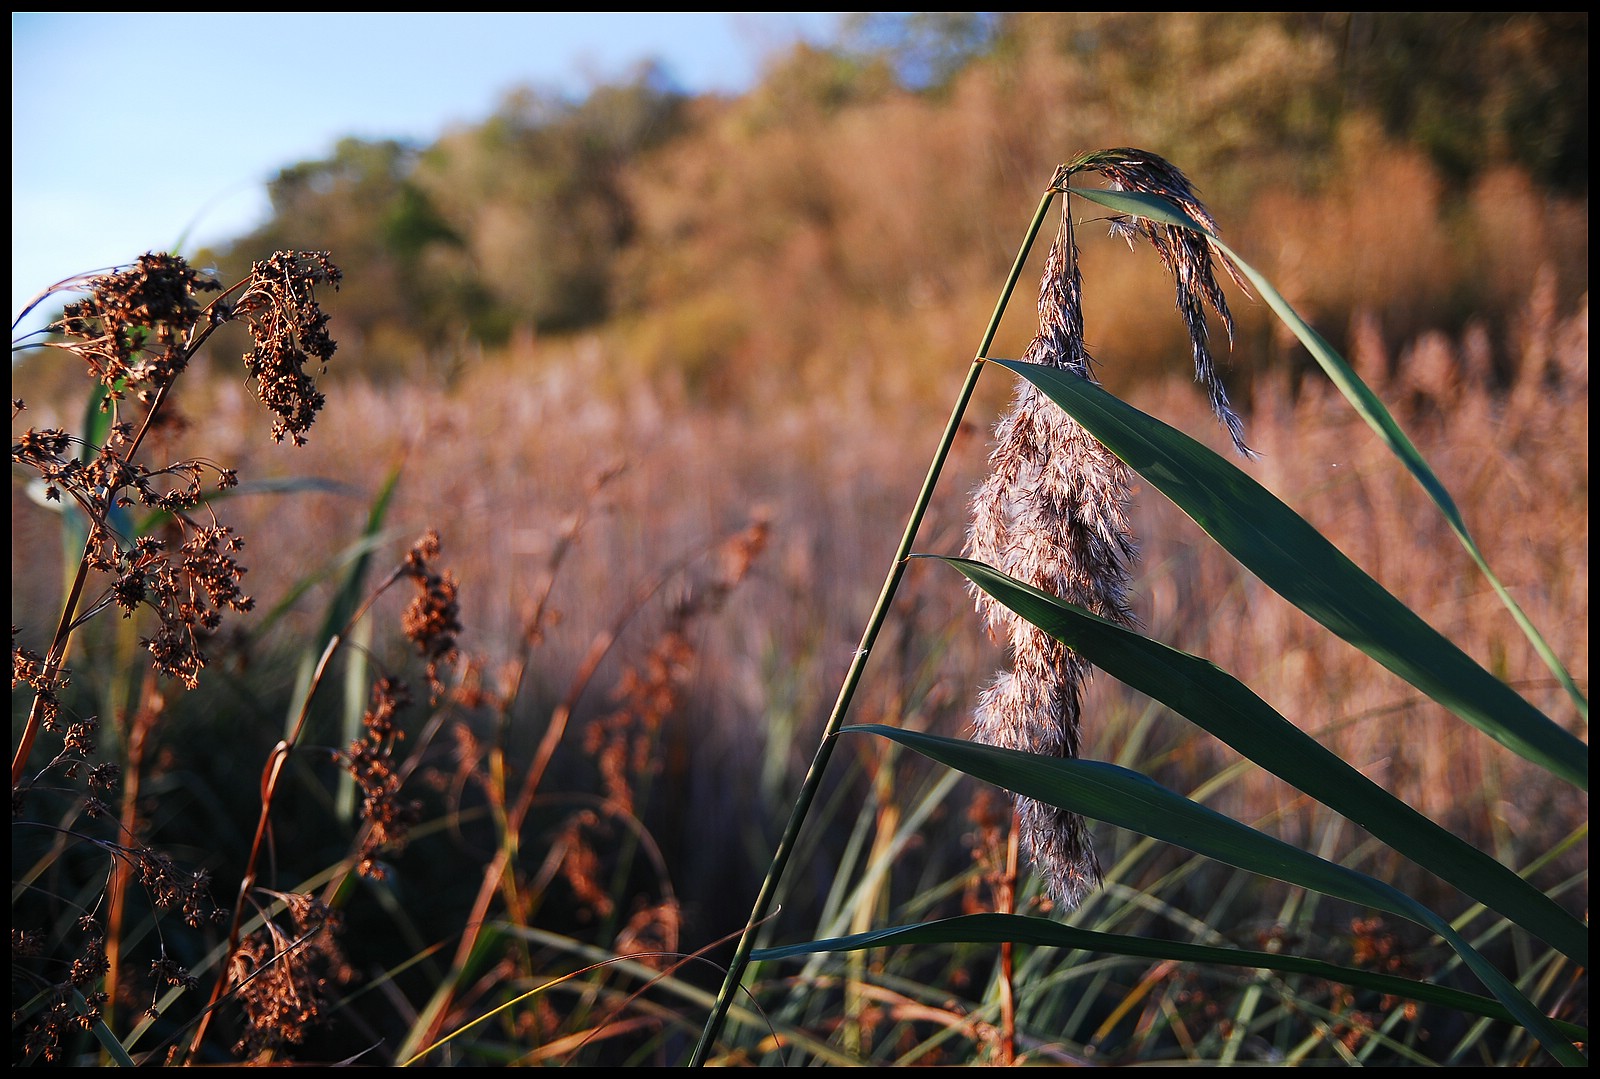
(414, 284)
(537, 193)
(1476, 86)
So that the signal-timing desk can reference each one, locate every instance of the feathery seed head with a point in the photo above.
(1188, 256)
(1053, 512)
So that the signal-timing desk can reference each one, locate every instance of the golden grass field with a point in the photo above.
(501, 460)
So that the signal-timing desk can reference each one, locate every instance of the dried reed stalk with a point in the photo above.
(1053, 511)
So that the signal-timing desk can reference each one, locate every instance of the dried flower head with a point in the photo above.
(63, 1015)
(285, 975)
(1053, 513)
(433, 618)
(171, 888)
(370, 762)
(290, 330)
(1188, 257)
(135, 328)
(29, 668)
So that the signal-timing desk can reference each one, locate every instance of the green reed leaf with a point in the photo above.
(1362, 399)
(1294, 560)
(1131, 800)
(1045, 933)
(102, 1033)
(272, 485)
(1222, 705)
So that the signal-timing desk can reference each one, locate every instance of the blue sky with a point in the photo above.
(131, 132)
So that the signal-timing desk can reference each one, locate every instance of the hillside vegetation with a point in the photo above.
(1420, 168)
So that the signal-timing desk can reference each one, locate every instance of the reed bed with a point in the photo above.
(682, 587)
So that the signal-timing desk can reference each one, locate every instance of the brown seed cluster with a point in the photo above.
(28, 668)
(136, 327)
(285, 973)
(190, 593)
(290, 331)
(432, 620)
(42, 1038)
(170, 887)
(137, 330)
(370, 761)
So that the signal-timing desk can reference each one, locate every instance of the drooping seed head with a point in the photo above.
(1188, 257)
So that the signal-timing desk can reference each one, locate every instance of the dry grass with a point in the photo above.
(508, 453)
(1516, 461)
(819, 426)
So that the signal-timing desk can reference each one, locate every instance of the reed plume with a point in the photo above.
(1053, 512)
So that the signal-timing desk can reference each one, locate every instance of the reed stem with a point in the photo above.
(819, 762)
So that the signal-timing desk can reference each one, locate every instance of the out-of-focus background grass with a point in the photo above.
(765, 304)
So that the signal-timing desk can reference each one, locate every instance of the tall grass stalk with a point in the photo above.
(1154, 204)
(880, 611)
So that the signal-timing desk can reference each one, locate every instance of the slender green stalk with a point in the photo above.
(819, 763)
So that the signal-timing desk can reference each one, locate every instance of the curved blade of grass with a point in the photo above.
(1016, 929)
(102, 1033)
(692, 996)
(1130, 800)
(351, 554)
(1365, 402)
(345, 601)
(1294, 560)
(336, 621)
(282, 485)
(1219, 703)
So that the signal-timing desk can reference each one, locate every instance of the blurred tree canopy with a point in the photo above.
(514, 221)
(1471, 87)
(1475, 88)
(925, 49)
(529, 219)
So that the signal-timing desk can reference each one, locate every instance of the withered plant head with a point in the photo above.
(371, 763)
(290, 330)
(432, 620)
(285, 975)
(137, 331)
(136, 327)
(1052, 513)
(42, 1038)
(1189, 258)
(1060, 340)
